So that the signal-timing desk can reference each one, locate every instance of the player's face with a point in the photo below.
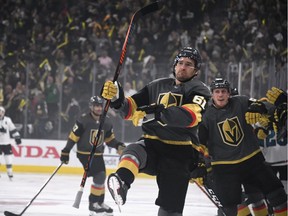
(96, 109)
(220, 97)
(185, 69)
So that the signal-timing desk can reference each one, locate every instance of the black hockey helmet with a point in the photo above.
(95, 100)
(220, 83)
(191, 53)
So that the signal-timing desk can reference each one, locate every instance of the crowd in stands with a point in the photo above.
(59, 50)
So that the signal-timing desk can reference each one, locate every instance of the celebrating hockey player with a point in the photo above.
(236, 156)
(166, 147)
(7, 128)
(83, 133)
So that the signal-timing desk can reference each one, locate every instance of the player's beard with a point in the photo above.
(96, 114)
(182, 77)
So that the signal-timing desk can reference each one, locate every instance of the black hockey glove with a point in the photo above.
(276, 96)
(279, 120)
(152, 108)
(257, 107)
(254, 112)
(18, 141)
(202, 174)
(64, 156)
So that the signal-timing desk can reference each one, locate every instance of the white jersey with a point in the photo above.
(275, 152)
(7, 127)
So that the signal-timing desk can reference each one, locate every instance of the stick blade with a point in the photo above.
(7, 213)
(78, 198)
(149, 9)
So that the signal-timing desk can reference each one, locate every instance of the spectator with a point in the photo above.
(51, 93)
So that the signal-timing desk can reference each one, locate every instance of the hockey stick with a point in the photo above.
(276, 163)
(7, 213)
(212, 196)
(138, 14)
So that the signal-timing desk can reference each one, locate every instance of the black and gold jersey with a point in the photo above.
(225, 132)
(183, 107)
(85, 130)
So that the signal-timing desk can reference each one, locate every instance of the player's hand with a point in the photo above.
(137, 118)
(254, 112)
(264, 121)
(18, 141)
(120, 148)
(109, 90)
(199, 181)
(279, 118)
(114, 92)
(199, 174)
(276, 96)
(64, 157)
(155, 109)
(261, 133)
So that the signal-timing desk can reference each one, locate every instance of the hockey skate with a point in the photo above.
(117, 188)
(108, 211)
(102, 209)
(10, 175)
(96, 209)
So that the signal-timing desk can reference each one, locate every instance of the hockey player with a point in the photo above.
(165, 149)
(235, 152)
(83, 133)
(271, 130)
(7, 128)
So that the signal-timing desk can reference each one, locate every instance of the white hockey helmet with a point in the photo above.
(2, 112)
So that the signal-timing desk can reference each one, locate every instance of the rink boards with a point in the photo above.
(42, 156)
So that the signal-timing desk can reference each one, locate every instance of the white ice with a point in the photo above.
(57, 198)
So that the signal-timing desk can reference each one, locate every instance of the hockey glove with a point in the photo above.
(114, 92)
(261, 133)
(254, 112)
(109, 90)
(279, 117)
(120, 148)
(276, 96)
(64, 156)
(18, 141)
(199, 174)
(137, 118)
(264, 121)
(153, 108)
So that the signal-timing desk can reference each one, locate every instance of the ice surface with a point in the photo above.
(57, 198)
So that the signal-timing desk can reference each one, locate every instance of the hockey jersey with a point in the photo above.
(84, 132)
(7, 127)
(225, 132)
(178, 119)
(274, 151)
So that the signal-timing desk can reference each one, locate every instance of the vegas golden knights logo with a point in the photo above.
(170, 99)
(231, 131)
(92, 137)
